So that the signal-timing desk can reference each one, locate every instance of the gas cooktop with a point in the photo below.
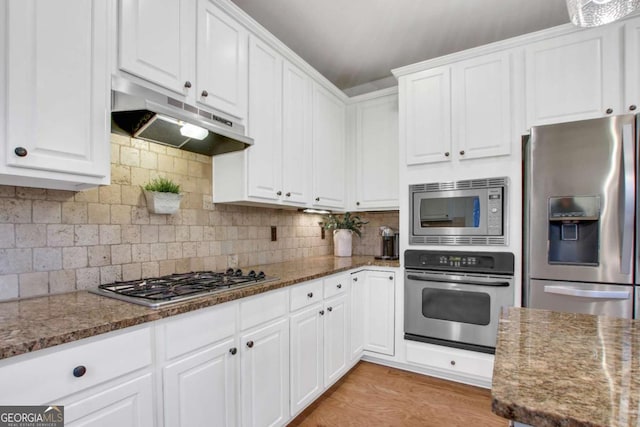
(160, 291)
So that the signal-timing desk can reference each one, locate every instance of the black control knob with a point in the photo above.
(20, 151)
(252, 273)
(250, 344)
(260, 275)
(79, 371)
(238, 272)
(205, 93)
(233, 351)
(229, 272)
(187, 84)
(310, 295)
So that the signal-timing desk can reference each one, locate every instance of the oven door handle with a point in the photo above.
(456, 281)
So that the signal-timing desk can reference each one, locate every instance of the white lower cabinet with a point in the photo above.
(264, 373)
(335, 339)
(356, 316)
(379, 312)
(306, 357)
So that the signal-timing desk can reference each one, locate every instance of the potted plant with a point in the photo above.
(163, 196)
(343, 229)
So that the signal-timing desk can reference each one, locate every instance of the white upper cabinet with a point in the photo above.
(482, 107)
(54, 121)
(264, 168)
(221, 71)
(459, 111)
(632, 65)
(157, 42)
(426, 109)
(573, 77)
(328, 149)
(376, 153)
(296, 135)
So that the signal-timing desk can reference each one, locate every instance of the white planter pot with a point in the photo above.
(162, 203)
(342, 242)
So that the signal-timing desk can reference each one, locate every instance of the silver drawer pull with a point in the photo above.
(561, 290)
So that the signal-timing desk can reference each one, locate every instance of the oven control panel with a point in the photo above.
(494, 262)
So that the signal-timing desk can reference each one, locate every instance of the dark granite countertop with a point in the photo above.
(565, 369)
(36, 323)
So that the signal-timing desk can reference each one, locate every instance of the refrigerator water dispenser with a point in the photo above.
(574, 230)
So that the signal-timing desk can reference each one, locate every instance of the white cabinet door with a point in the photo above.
(264, 375)
(128, 404)
(427, 108)
(296, 135)
(157, 42)
(264, 167)
(200, 389)
(306, 357)
(573, 77)
(356, 315)
(328, 149)
(482, 110)
(632, 65)
(221, 70)
(335, 338)
(379, 297)
(57, 92)
(377, 153)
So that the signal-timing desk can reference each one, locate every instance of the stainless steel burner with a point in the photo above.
(159, 291)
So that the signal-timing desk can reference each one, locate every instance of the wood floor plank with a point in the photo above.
(376, 395)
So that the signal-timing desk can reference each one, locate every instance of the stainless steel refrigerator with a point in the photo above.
(580, 217)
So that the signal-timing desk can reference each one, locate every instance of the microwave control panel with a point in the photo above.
(494, 211)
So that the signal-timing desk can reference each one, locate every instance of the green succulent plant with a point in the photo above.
(162, 185)
(347, 222)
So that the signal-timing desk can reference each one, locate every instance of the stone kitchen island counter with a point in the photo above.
(566, 369)
(31, 324)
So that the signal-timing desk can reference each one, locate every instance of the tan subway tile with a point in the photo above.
(196, 233)
(132, 271)
(157, 148)
(139, 215)
(157, 219)
(115, 154)
(120, 214)
(110, 194)
(74, 257)
(120, 254)
(131, 234)
(31, 193)
(9, 287)
(174, 152)
(174, 250)
(110, 274)
(140, 252)
(74, 213)
(180, 166)
(132, 195)
(120, 174)
(47, 259)
(203, 249)
(182, 233)
(149, 233)
(98, 213)
(34, 284)
(196, 264)
(158, 251)
(16, 261)
(165, 163)
(183, 265)
(110, 234)
(189, 249)
(7, 191)
(148, 160)
(7, 236)
(60, 235)
(140, 144)
(166, 233)
(150, 269)
(195, 168)
(99, 255)
(91, 196)
(86, 235)
(62, 281)
(120, 139)
(140, 176)
(167, 267)
(87, 278)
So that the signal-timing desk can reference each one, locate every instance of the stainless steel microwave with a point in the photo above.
(471, 212)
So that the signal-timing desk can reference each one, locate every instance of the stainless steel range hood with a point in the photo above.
(149, 115)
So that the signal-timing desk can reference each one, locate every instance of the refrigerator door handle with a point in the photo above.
(574, 292)
(626, 222)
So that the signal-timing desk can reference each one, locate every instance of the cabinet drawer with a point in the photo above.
(191, 331)
(262, 308)
(47, 375)
(335, 285)
(306, 294)
(451, 360)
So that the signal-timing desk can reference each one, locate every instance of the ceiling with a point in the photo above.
(356, 42)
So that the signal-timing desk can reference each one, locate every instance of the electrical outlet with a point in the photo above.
(232, 261)
(274, 233)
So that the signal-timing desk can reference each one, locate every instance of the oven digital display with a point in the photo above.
(444, 260)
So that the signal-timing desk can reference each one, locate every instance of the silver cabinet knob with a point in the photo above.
(20, 151)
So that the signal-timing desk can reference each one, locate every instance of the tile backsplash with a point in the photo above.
(54, 241)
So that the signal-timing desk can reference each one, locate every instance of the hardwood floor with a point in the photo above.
(375, 395)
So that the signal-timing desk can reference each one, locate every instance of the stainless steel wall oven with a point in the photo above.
(455, 298)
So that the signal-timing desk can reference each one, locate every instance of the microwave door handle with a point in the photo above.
(456, 281)
(626, 222)
(586, 293)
